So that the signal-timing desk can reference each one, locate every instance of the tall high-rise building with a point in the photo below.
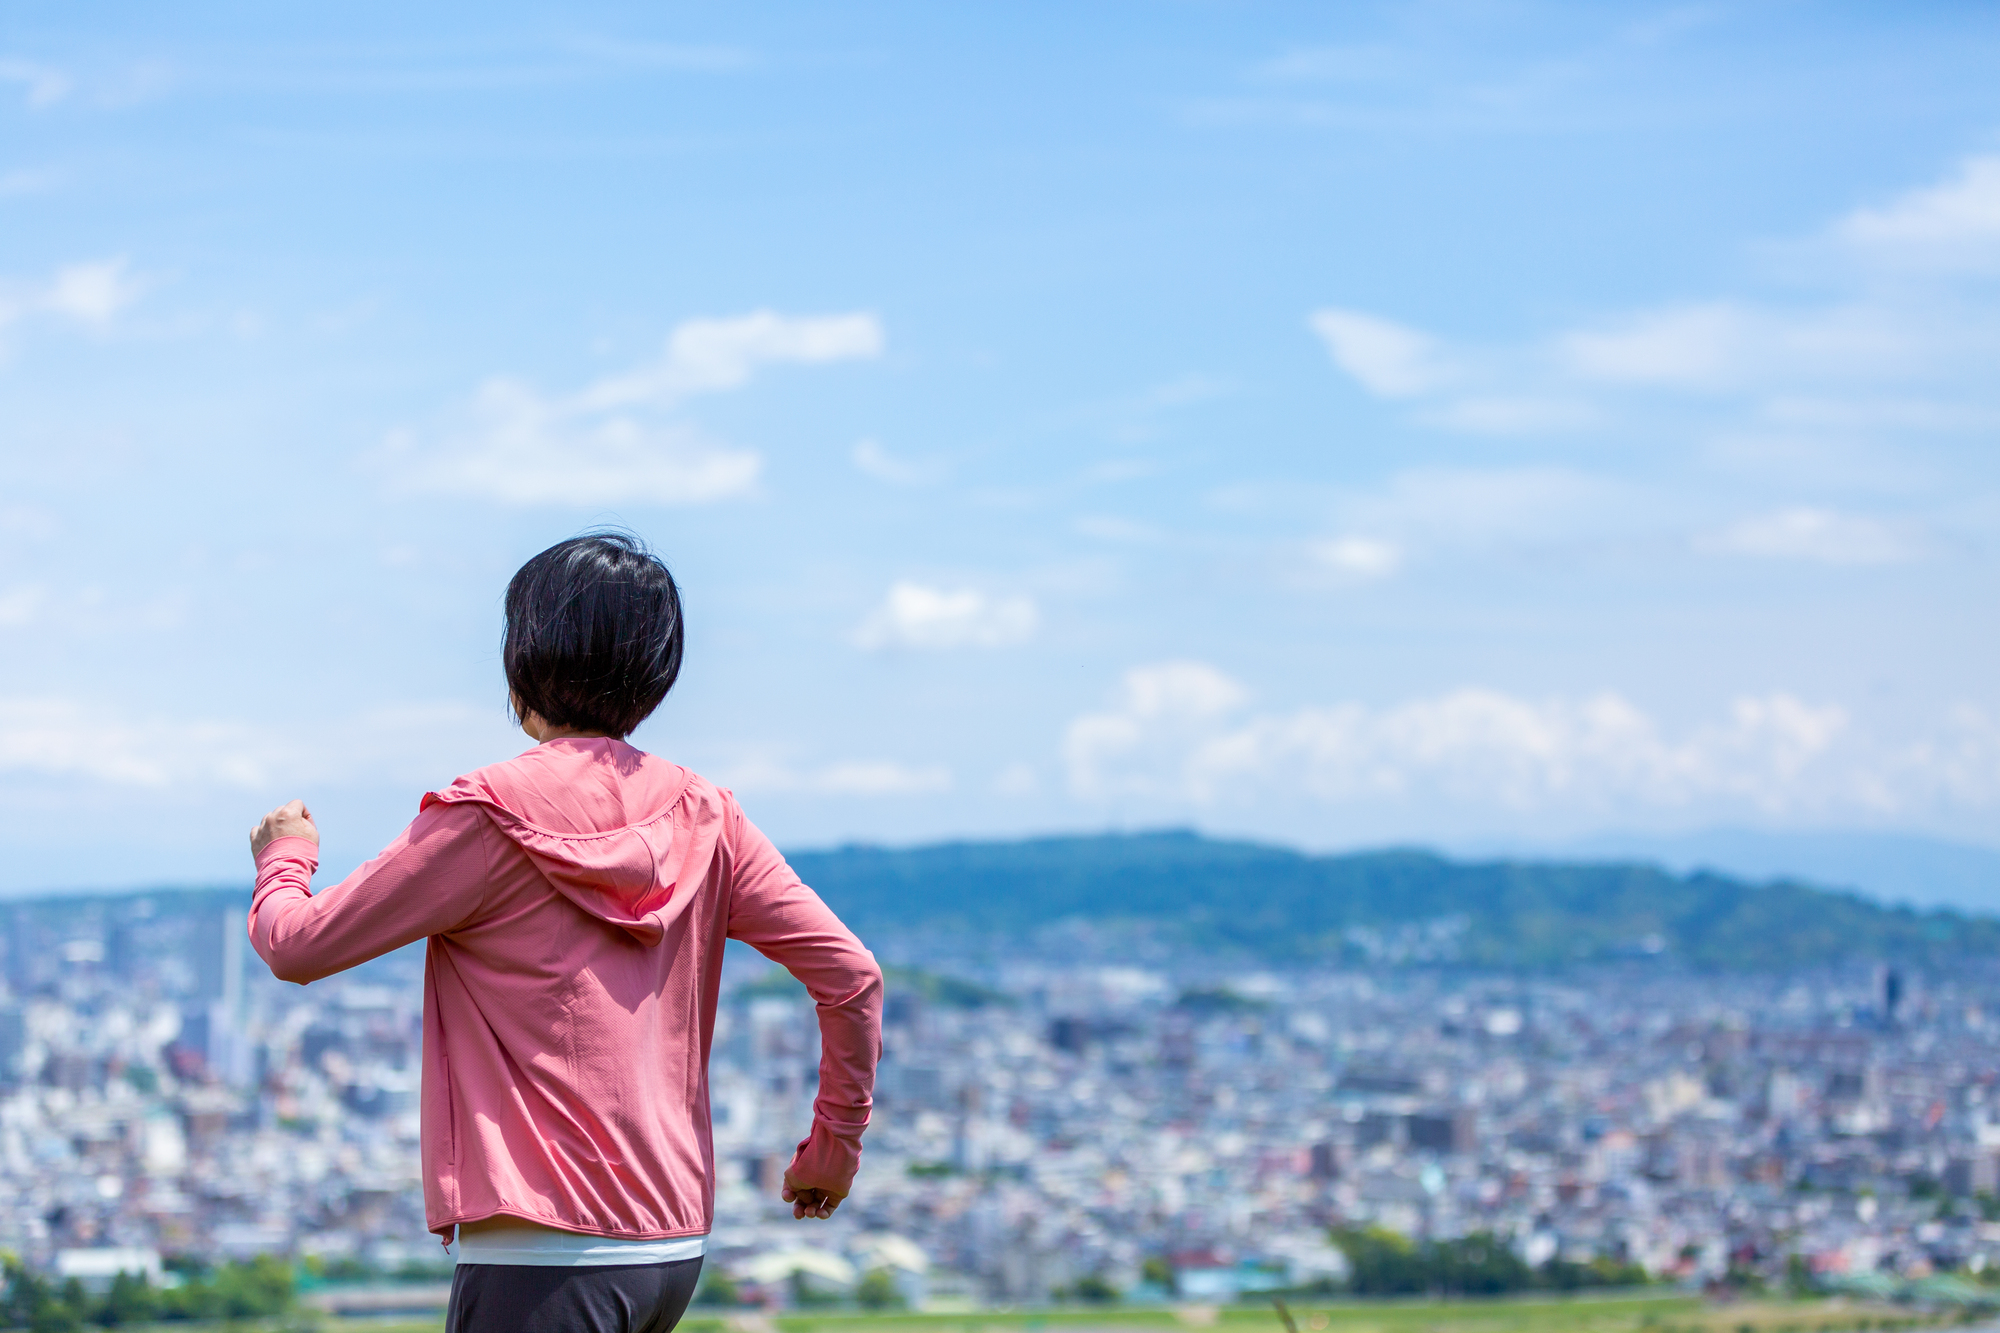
(214, 1025)
(13, 1043)
(234, 937)
(230, 1057)
(21, 950)
(1889, 993)
(207, 956)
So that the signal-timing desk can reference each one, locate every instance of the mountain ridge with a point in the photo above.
(1395, 905)
(1424, 906)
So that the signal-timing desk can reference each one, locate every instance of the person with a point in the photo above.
(576, 900)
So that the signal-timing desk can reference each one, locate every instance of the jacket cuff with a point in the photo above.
(291, 846)
(826, 1160)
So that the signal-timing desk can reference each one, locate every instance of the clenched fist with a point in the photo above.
(290, 820)
(809, 1201)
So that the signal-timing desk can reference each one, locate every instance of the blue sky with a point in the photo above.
(1344, 425)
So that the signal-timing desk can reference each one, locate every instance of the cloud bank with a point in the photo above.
(1882, 336)
(1183, 733)
(44, 737)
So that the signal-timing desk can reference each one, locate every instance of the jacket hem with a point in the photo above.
(444, 1228)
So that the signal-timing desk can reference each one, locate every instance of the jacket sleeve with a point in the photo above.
(771, 910)
(430, 881)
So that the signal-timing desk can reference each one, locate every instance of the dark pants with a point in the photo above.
(610, 1298)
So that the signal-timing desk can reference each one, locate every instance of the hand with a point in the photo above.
(809, 1200)
(290, 820)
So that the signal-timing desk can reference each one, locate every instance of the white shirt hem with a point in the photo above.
(544, 1247)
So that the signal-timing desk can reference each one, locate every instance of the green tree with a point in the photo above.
(257, 1289)
(62, 1311)
(1475, 1265)
(717, 1288)
(878, 1291)
(807, 1294)
(1568, 1275)
(1381, 1262)
(33, 1302)
(1094, 1288)
(131, 1300)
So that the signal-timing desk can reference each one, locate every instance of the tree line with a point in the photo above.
(1385, 1263)
(253, 1289)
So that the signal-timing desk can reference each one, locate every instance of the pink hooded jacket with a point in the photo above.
(576, 899)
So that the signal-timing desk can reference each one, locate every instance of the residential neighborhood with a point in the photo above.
(1097, 1117)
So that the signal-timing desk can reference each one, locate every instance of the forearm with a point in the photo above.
(284, 882)
(846, 986)
(773, 912)
(850, 1039)
(850, 1044)
(416, 887)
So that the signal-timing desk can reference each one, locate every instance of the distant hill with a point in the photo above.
(1399, 905)
(1892, 867)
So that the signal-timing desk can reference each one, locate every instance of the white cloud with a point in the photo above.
(1803, 533)
(916, 616)
(1730, 347)
(613, 441)
(55, 737)
(1955, 224)
(1388, 359)
(1925, 340)
(93, 292)
(45, 737)
(1179, 732)
(1694, 346)
(1477, 507)
(1180, 690)
(1142, 745)
(712, 355)
(90, 292)
(521, 448)
(1357, 558)
(42, 85)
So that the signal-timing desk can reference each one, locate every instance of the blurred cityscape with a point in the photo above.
(1094, 1114)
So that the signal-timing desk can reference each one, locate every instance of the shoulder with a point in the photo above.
(481, 785)
(705, 808)
(438, 816)
(700, 791)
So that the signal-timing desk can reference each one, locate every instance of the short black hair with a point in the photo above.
(593, 633)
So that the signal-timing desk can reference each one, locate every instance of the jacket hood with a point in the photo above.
(603, 822)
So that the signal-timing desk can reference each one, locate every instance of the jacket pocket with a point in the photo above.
(439, 1121)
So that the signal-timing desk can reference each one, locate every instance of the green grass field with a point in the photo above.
(1616, 1314)
(1624, 1314)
